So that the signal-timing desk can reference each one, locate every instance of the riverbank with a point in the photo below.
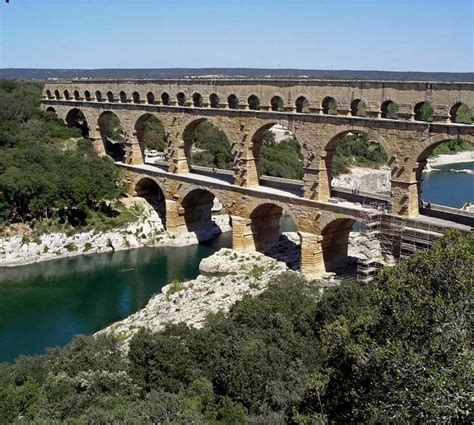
(148, 230)
(226, 277)
(378, 180)
(456, 158)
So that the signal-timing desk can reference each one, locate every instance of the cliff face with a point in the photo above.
(366, 179)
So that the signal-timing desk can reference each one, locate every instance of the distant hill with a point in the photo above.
(68, 74)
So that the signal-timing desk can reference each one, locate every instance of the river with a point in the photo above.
(450, 184)
(46, 304)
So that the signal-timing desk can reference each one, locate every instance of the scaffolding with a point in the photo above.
(398, 237)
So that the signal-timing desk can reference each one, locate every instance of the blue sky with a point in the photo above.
(400, 35)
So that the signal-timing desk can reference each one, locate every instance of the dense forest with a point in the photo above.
(397, 350)
(49, 175)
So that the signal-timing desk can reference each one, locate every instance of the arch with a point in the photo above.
(214, 100)
(113, 136)
(51, 109)
(265, 227)
(302, 105)
(335, 243)
(150, 98)
(181, 98)
(76, 94)
(98, 96)
(277, 104)
(423, 111)
(419, 165)
(389, 110)
(136, 97)
(254, 102)
(151, 136)
(110, 96)
(358, 108)
(123, 96)
(361, 143)
(329, 106)
(75, 118)
(66, 95)
(276, 152)
(48, 94)
(57, 95)
(87, 95)
(197, 100)
(149, 189)
(461, 113)
(165, 98)
(198, 204)
(207, 144)
(233, 101)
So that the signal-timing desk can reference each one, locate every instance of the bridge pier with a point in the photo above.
(404, 198)
(311, 254)
(242, 234)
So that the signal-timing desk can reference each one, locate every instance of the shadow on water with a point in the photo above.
(46, 304)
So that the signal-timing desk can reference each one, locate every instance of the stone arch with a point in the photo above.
(76, 118)
(233, 101)
(51, 109)
(461, 113)
(302, 105)
(123, 96)
(423, 111)
(197, 100)
(358, 108)
(48, 94)
(87, 95)
(110, 96)
(136, 97)
(277, 104)
(422, 154)
(66, 94)
(113, 135)
(150, 98)
(57, 95)
(98, 96)
(150, 189)
(265, 219)
(256, 145)
(329, 106)
(165, 99)
(181, 98)
(197, 206)
(76, 95)
(327, 155)
(335, 242)
(389, 110)
(253, 102)
(214, 100)
(159, 141)
(187, 136)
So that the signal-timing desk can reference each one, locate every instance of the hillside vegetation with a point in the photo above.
(396, 351)
(49, 175)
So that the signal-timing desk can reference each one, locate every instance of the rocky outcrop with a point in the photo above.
(148, 230)
(366, 179)
(228, 277)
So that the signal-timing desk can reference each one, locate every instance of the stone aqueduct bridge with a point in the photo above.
(319, 114)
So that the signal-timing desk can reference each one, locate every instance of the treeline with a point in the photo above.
(398, 350)
(47, 171)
